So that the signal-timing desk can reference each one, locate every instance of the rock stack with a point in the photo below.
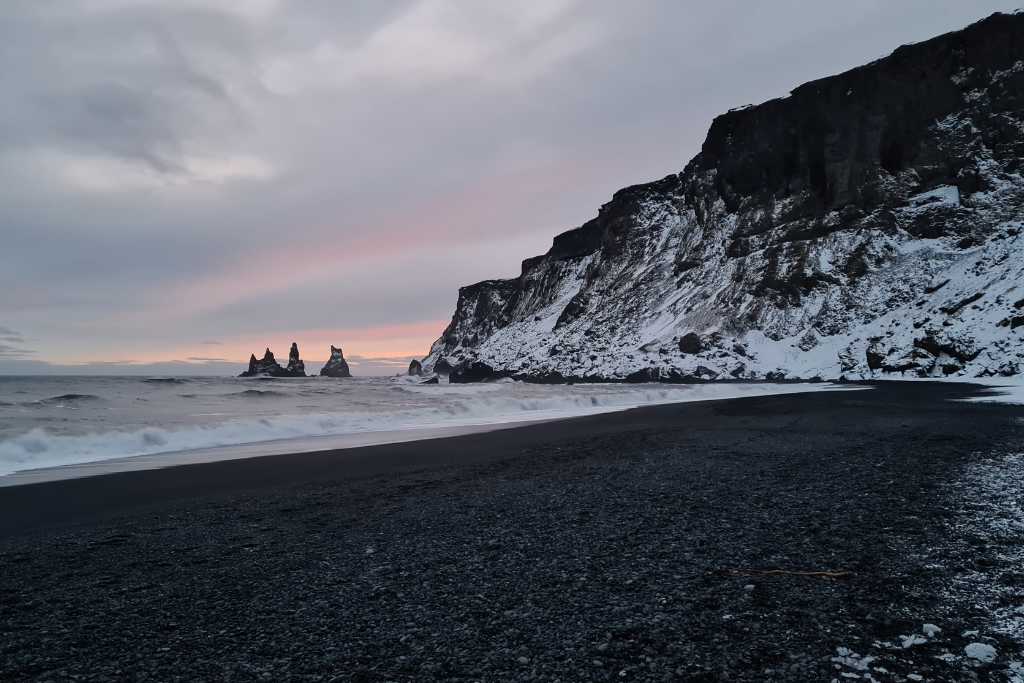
(269, 367)
(296, 368)
(336, 366)
(415, 368)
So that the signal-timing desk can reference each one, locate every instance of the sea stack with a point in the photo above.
(415, 368)
(263, 367)
(296, 368)
(336, 366)
(269, 367)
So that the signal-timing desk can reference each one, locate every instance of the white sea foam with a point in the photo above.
(164, 418)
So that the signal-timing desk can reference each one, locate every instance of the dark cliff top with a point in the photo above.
(783, 145)
(915, 79)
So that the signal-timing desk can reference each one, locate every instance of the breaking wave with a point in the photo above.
(68, 398)
(464, 405)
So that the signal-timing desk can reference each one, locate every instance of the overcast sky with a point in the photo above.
(184, 182)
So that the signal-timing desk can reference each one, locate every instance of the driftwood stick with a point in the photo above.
(785, 572)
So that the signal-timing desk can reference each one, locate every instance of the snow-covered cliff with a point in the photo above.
(868, 224)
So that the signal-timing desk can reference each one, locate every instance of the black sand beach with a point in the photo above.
(629, 546)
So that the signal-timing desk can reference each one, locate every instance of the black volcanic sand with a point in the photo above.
(590, 549)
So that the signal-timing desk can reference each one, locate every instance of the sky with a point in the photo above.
(185, 182)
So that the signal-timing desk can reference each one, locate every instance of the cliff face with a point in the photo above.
(868, 223)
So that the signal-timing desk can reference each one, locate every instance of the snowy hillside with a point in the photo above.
(869, 224)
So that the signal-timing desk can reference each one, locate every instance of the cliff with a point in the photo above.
(868, 224)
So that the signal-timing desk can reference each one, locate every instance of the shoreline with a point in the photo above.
(397, 434)
(90, 498)
(245, 451)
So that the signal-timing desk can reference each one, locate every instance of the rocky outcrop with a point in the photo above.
(868, 224)
(296, 368)
(269, 367)
(442, 370)
(336, 366)
(415, 368)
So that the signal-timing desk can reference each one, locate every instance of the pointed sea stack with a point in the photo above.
(296, 368)
(264, 367)
(415, 368)
(336, 366)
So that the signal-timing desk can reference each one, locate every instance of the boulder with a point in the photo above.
(443, 370)
(476, 371)
(415, 368)
(336, 366)
(644, 375)
(691, 343)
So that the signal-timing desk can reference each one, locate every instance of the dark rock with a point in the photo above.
(443, 369)
(644, 376)
(269, 367)
(705, 373)
(474, 372)
(875, 357)
(691, 343)
(936, 345)
(415, 368)
(959, 305)
(296, 368)
(336, 366)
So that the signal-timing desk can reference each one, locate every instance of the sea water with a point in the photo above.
(48, 422)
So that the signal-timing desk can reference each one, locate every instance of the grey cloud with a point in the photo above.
(12, 344)
(145, 152)
(9, 351)
(12, 336)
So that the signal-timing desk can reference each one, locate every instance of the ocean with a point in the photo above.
(55, 422)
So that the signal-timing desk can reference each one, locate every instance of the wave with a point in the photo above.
(165, 380)
(41, 448)
(256, 393)
(67, 398)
